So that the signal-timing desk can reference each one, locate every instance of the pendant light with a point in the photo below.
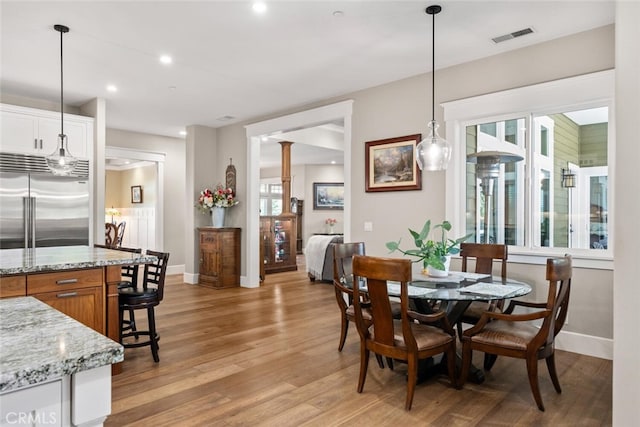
(61, 162)
(433, 152)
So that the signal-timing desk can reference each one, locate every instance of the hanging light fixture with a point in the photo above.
(433, 152)
(61, 162)
(568, 178)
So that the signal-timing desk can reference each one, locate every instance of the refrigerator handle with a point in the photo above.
(33, 222)
(26, 209)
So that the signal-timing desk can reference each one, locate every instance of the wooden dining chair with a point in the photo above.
(121, 228)
(517, 335)
(110, 235)
(413, 337)
(342, 280)
(484, 255)
(342, 284)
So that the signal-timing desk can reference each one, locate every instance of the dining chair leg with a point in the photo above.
(390, 363)
(451, 366)
(364, 364)
(153, 337)
(120, 323)
(412, 371)
(132, 323)
(551, 366)
(343, 331)
(380, 361)
(489, 361)
(466, 364)
(532, 370)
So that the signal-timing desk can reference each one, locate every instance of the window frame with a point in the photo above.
(569, 94)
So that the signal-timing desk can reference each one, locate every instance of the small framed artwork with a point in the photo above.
(390, 164)
(328, 195)
(136, 194)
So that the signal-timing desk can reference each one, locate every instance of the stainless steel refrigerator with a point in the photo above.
(39, 209)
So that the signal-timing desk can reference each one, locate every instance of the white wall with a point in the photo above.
(626, 375)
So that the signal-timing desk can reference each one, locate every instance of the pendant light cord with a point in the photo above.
(61, 90)
(433, 69)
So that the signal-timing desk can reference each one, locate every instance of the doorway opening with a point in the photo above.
(339, 111)
(134, 195)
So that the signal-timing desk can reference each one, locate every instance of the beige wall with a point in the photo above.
(118, 187)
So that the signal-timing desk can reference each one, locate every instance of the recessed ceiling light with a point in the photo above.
(259, 7)
(112, 88)
(333, 162)
(166, 59)
(183, 132)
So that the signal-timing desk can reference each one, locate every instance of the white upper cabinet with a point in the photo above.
(31, 131)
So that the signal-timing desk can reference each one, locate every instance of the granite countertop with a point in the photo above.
(19, 261)
(39, 343)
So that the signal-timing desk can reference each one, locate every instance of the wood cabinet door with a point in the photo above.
(209, 250)
(85, 305)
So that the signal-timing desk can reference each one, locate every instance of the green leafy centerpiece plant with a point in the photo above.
(434, 254)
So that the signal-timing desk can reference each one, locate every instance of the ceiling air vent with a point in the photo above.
(225, 118)
(513, 35)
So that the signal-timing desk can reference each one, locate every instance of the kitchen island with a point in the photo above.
(53, 369)
(80, 281)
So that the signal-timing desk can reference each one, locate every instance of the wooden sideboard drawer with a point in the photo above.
(59, 281)
(13, 286)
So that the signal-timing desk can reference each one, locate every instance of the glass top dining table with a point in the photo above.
(458, 290)
(462, 286)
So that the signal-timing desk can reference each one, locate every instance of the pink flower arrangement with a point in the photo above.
(330, 221)
(218, 197)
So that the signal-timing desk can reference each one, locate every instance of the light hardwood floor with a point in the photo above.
(268, 357)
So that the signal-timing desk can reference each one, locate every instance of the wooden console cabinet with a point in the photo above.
(219, 257)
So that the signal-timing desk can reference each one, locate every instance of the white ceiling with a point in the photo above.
(229, 61)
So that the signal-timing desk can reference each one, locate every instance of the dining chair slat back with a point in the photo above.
(342, 274)
(412, 337)
(520, 335)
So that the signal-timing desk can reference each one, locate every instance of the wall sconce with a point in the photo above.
(568, 178)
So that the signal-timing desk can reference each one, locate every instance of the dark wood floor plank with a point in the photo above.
(268, 356)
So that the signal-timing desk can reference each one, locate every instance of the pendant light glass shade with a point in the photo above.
(61, 162)
(433, 152)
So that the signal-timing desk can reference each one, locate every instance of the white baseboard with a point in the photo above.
(190, 278)
(175, 269)
(585, 344)
(244, 283)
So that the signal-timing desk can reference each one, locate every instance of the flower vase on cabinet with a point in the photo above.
(217, 217)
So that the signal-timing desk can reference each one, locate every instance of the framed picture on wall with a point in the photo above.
(136, 194)
(328, 195)
(390, 164)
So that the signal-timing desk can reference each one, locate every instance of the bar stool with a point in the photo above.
(146, 297)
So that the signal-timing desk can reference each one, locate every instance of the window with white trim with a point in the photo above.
(270, 197)
(559, 195)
